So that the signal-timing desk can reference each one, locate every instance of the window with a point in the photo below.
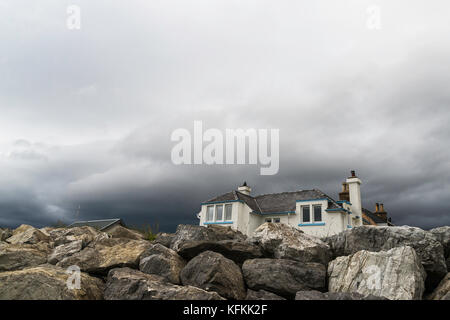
(219, 212)
(210, 213)
(276, 220)
(305, 214)
(268, 220)
(228, 212)
(317, 213)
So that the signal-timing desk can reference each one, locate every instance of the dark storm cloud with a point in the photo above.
(86, 116)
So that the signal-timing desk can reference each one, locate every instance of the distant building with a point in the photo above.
(311, 211)
(101, 225)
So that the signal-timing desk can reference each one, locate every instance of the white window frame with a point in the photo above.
(230, 205)
(213, 213)
(313, 214)
(214, 218)
(301, 213)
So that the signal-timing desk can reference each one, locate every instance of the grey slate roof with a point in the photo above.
(97, 224)
(275, 202)
(373, 216)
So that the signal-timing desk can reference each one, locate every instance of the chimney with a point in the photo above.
(377, 207)
(381, 213)
(354, 190)
(245, 189)
(344, 195)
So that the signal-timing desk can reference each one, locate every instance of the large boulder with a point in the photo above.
(317, 295)
(162, 261)
(27, 234)
(187, 232)
(5, 234)
(377, 238)
(283, 277)
(121, 232)
(165, 239)
(130, 284)
(286, 242)
(20, 256)
(442, 234)
(396, 274)
(211, 271)
(262, 295)
(105, 254)
(442, 292)
(47, 282)
(66, 235)
(64, 250)
(236, 250)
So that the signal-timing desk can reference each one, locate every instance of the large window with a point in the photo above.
(219, 212)
(210, 213)
(228, 212)
(317, 213)
(306, 216)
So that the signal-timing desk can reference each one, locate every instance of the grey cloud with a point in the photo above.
(86, 116)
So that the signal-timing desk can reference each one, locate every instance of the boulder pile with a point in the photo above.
(277, 262)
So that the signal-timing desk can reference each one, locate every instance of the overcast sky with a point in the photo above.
(86, 115)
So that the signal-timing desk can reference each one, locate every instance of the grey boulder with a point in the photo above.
(442, 234)
(262, 295)
(377, 238)
(164, 238)
(442, 292)
(130, 284)
(105, 254)
(236, 250)
(396, 274)
(283, 277)
(65, 250)
(281, 241)
(317, 295)
(162, 261)
(20, 256)
(211, 271)
(199, 233)
(27, 235)
(48, 282)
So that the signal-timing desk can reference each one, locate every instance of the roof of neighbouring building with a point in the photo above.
(373, 216)
(275, 202)
(97, 224)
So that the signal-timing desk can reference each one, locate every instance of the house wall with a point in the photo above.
(245, 221)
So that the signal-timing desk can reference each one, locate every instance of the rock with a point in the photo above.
(376, 238)
(120, 232)
(442, 234)
(47, 282)
(281, 241)
(442, 292)
(282, 276)
(165, 239)
(65, 235)
(129, 284)
(46, 230)
(27, 234)
(22, 228)
(20, 256)
(317, 295)
(5, 234)
(162, 261)
(396, 274)
(199, 233)
(65, 250)
(236, 250)
(101, 256)
(262, 295)
(211, 271)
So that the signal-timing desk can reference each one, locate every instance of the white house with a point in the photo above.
(309, 210)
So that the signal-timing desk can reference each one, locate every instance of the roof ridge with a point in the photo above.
(265, 194)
